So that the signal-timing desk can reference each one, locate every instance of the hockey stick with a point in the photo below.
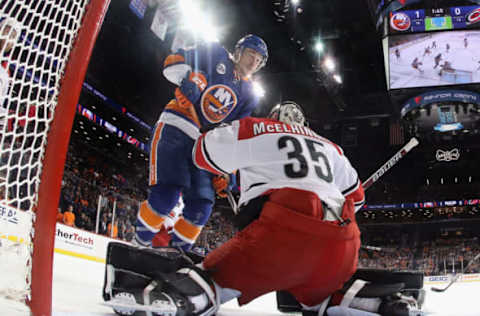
(380, 172)
(456, 277)
(390, 163)
(232, 202)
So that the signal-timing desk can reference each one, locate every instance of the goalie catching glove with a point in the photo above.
(190, 89)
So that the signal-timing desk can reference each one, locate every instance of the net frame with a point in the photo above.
(55, 148)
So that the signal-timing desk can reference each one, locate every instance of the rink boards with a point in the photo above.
(79, 271)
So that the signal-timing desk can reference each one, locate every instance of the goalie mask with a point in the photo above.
(288, 112)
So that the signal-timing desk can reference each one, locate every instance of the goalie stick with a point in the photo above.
(456, 277)
(390, 163)
(232, 202)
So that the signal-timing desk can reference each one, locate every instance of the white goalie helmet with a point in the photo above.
(288, 112)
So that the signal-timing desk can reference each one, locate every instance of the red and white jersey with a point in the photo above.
(271, 155)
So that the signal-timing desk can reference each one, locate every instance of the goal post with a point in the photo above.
(46, 66)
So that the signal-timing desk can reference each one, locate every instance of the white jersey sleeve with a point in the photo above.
(348, 182)
(219, 150)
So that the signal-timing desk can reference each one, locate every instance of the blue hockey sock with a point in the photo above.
(143, 235)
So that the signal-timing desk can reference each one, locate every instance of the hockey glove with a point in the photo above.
(162, 238)
(220, 184)
(190, 89)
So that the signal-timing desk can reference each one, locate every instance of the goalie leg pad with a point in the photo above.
(164, 281)
(128, 265)
(393, 292)
(184, 293)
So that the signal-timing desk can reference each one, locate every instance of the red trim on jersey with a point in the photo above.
(251, 127)
(358, 195)
(199, 157)
(338, 148)
(245, 130)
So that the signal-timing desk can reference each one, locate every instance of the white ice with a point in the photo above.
(403, 75)
(77, 289)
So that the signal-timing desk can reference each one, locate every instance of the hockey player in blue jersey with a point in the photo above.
(213, 86)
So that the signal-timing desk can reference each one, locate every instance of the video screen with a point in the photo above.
(434, 59)
(434, 19)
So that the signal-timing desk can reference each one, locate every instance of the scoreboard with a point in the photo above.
(424, 20)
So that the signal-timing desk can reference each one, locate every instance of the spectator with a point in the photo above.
(59, 216)
(69, 217)
(115, 229)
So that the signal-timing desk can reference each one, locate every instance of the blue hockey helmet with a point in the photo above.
(256, 43)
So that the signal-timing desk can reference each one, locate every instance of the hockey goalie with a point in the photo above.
(298, 233)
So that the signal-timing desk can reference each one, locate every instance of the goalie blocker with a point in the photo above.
(377, 292)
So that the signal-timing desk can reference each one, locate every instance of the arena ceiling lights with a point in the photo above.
(198, 22)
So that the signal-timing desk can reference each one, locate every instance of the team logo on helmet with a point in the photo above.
(217, 102)
(221, 68)
(473, 17)
(400, 21)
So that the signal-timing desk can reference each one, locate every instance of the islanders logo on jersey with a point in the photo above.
(473, 17)
(400, 21)
(217, 102)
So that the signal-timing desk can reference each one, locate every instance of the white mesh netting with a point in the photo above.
(36, 38)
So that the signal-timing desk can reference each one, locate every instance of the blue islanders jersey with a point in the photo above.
(226, 97)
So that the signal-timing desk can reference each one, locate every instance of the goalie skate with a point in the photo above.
(124, 303)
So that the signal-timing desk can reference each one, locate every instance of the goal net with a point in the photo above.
(44, 51)
(457, 76)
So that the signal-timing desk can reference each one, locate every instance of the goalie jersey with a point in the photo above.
(270, 155)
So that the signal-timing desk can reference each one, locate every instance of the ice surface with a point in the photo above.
(77, 291)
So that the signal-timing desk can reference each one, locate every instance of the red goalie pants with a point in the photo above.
(289, 248)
